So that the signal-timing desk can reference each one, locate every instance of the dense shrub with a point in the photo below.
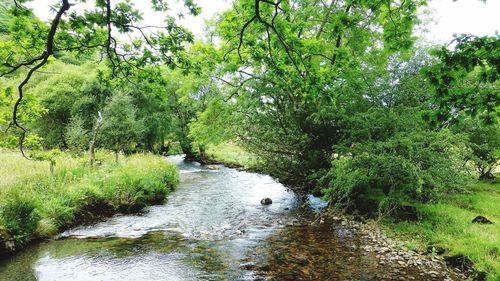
(19, 215)
(406, 168)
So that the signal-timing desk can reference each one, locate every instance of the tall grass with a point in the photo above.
(35, 204)
(13, 167)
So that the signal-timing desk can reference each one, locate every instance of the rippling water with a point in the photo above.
(212, 227)
(202, 232)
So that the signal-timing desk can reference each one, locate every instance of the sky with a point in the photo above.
(462, 16)
(448, 17)
(195, 24)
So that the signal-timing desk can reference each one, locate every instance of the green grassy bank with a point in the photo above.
(448, 224)
(35, 204)
(232, 155)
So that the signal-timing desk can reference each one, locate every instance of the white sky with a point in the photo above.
(448, 17)
(462, 16)
(195, 24)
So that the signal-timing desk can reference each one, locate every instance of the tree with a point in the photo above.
(299, 68)
(95, 134)
(149, 91)
(76, 136)
(59, 93)
(484, 144)
(466, 80)
(417, 165)
(4, 16)
(120, 129)
(212, 126)
(31, 43)
(190, 93)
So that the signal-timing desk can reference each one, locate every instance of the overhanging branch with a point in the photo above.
(42, 60)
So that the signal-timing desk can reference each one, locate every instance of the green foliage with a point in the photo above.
(420, 166)
(232, 155)
(84, 34)
(188, 95)
(77, 137)
(76, 37)
(210, 126)
(79, 193)
(31, 111)
(49, 156)
(4, 16)
(484, 143)
(59, 95)
(151, 99)
(299, 81)
(25, 40)
(466, 79)
(140, 181)
(19, 215)
(120, 130)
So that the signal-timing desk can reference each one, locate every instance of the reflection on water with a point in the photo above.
(212, 227)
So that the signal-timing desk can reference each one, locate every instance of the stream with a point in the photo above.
(212, 227)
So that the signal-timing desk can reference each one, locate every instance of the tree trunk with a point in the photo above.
(187, 148)
(203, 155)
(52, 168)
(116, 156)
(486, 174)
(94, 138)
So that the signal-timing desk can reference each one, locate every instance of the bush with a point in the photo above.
(19, 215)
(406, 168)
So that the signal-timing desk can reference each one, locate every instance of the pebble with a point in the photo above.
(395, 255)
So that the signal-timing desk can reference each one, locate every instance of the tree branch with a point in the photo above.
(43, 58)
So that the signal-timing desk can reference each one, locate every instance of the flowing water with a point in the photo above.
(212, 227)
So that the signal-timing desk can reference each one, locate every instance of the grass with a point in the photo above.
(35, 204)
(232, 155)
(13, 167)
(448, 224)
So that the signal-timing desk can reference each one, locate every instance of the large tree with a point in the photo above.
(300, 66)
(99, 30)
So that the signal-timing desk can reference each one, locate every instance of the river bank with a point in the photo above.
(213, 227)
(443, 240)
(35, 204)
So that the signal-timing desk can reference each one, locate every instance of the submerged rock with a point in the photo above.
(266, 201)
(248, 266)
(212, 167)
(481, 220)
